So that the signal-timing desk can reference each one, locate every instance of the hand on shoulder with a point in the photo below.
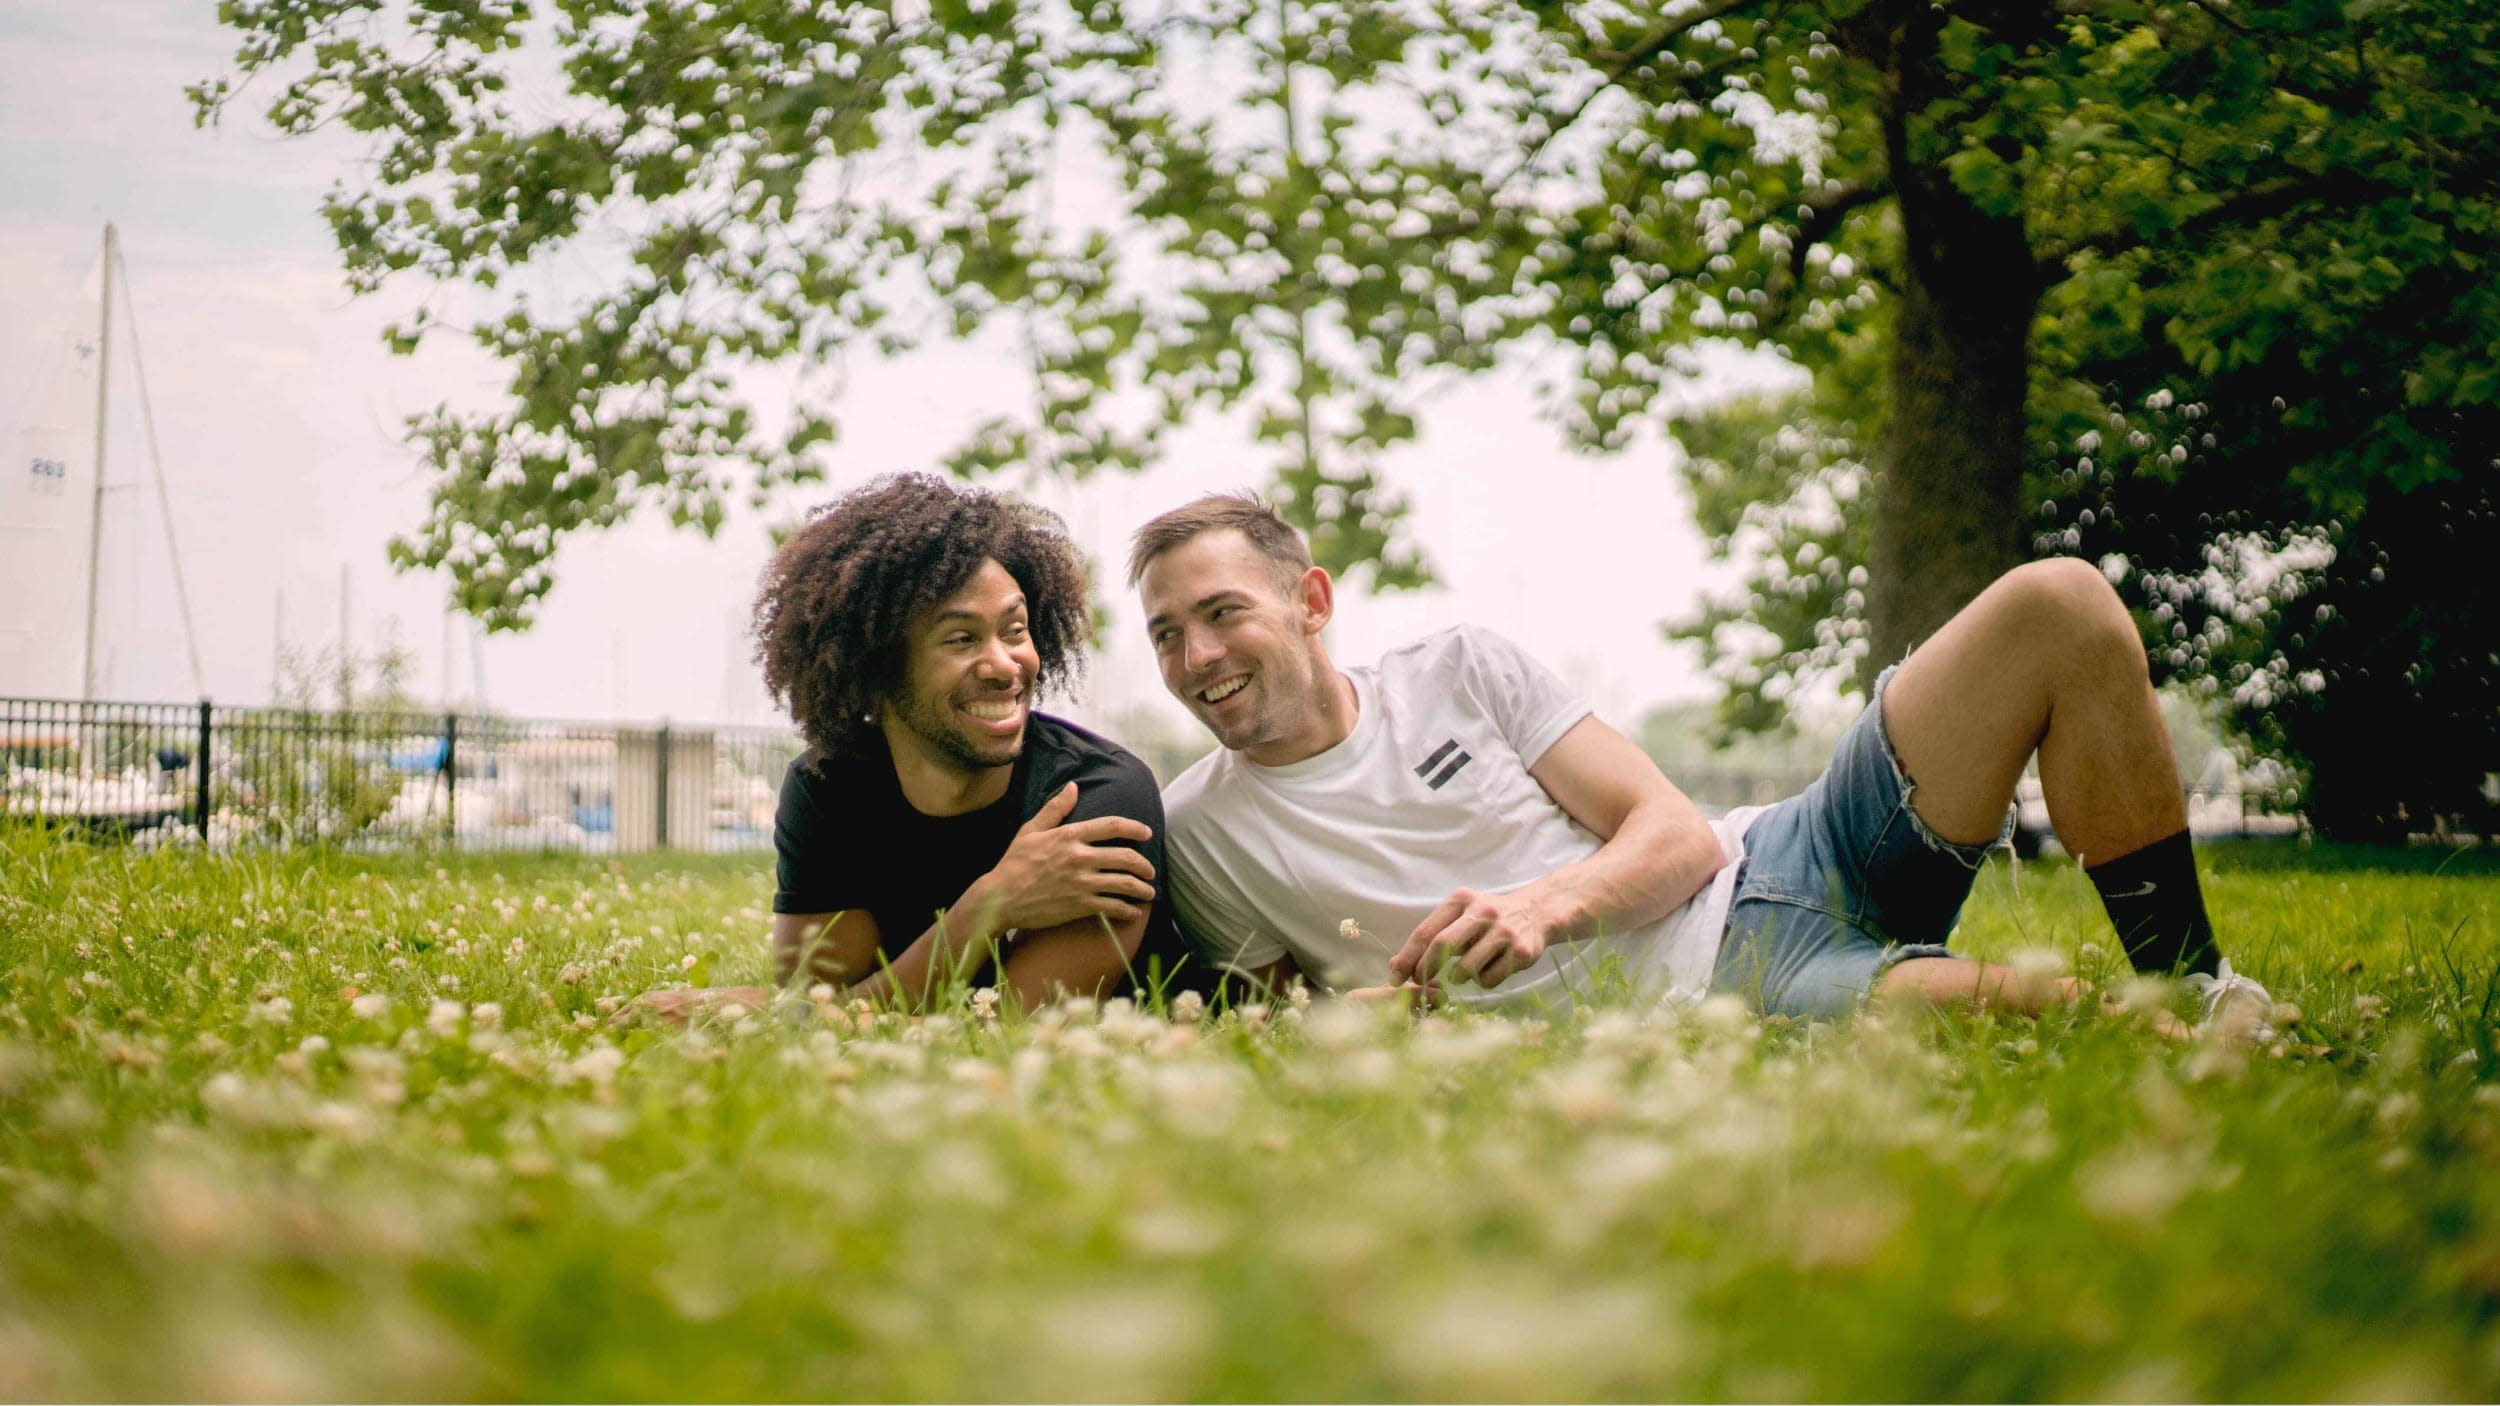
(1056, 870)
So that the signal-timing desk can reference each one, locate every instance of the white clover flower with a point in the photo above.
(598, 1066)
(1188, 1008)
(1454, 1044)
(344, 1121)
(486, 1015)
(277, 1010)
(573, 973)
(1123, 1343)
(1027, 1067)
(985, 1003)
(1365, 1071)
(1298, 995)
(1342, 1025)
(443, 1019)
(1514, 1338)
(686, 963)
(1586, 1092)
(1124, 1024)
(373, 1005)
(821, 993)
(2136, 1188)
(2141, 994)
(2037, 964)
(1082, 1042)
(1618, 1032)
(248, 1102)
(1723, 1013)
(313, 1045)
(1616, 1171)
(734, 1011)
(223, 1092)
(1197, 1098)
(1350, 930)
(1174, 1232)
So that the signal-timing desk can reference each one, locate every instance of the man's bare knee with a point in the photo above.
(2067, 590)
(2074, 614)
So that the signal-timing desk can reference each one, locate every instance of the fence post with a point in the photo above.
(660, 754)
(451, 779)
(208, 715)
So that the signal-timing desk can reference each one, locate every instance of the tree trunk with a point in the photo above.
(1947, 520)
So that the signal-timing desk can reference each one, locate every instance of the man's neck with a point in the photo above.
(940, 786)
(1332, 723)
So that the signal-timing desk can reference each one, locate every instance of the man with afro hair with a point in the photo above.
(938, 830)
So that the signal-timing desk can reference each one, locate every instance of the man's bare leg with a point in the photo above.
(2047, 660)
(1946, 981)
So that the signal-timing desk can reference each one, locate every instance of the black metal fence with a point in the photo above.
(201, 773)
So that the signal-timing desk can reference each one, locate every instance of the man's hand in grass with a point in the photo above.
(1413, 994)
(1486, 938)
(685, 1005)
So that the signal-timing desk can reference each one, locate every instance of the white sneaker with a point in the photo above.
(2233, 1007)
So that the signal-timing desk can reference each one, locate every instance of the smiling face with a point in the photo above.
(967, 680)
(1240, 648)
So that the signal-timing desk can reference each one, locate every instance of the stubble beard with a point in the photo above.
(934, 725)
(1269, 716)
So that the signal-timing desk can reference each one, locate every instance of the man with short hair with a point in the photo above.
(1454, 814)
(938, 829)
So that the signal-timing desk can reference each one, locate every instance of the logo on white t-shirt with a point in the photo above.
(1448, 768)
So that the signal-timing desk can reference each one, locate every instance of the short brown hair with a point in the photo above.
(1242, 512)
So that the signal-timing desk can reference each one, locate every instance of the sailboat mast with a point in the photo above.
(103, 392)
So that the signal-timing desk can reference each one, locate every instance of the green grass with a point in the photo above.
(218, 1180)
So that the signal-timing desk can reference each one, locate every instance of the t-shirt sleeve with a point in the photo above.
(804, 881)
(1216, 920)
(1219, 920)
(1530, 704)
(1122, 785)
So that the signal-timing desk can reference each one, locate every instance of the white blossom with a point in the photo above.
(443, 1019)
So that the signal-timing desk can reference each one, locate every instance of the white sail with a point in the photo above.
(47, 498)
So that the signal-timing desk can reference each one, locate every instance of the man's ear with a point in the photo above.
(1318, 597)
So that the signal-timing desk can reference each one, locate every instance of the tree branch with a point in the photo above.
(1651, 45)
(2215, 13)
(2255, 203)
(1823, 220)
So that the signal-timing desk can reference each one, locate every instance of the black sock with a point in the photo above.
(2158, 909)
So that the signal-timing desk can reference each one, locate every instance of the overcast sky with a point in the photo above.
(279, 414)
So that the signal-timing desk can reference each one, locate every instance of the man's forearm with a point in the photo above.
(956, 946)
(1657, 860)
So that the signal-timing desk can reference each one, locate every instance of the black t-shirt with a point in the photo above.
(848, 839)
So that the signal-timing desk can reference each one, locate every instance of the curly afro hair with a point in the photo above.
(836, 608)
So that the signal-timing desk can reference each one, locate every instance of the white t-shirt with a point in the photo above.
(1429, 794)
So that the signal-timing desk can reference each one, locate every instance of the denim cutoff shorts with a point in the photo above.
(1841, 881)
